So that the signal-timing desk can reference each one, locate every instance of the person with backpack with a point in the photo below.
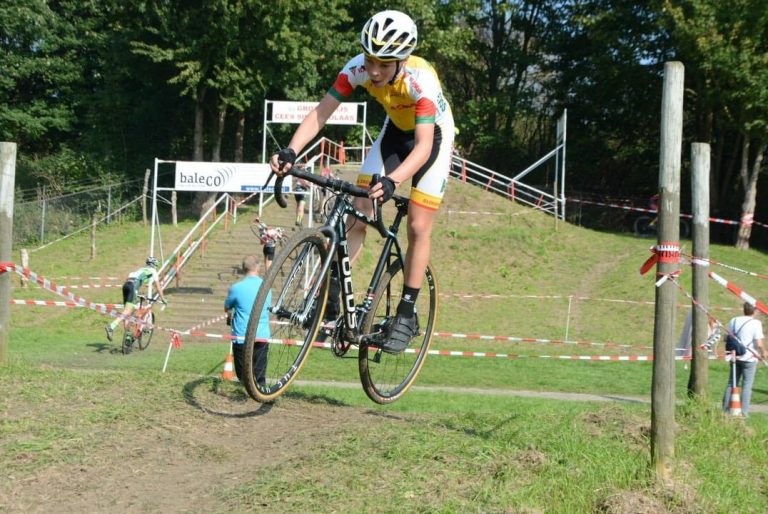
(745, 339)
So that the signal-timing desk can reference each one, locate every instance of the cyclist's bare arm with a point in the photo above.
(159, 288)
(309, 128)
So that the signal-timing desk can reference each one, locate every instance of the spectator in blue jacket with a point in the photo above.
(238, 305)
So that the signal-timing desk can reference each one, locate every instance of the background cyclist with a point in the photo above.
(415, 143)
(268, 236)
(145, 275)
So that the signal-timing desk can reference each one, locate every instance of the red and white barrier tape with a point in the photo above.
(706, 262)
(64, 292)
(100, 279)
(52, 287)
(93, 286)
(654, 211)
(536, 341)
(739, 292)
(176, 342)
(49, 303)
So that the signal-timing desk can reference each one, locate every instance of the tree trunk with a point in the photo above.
(201, 198)
(727, 175)
(240, 136)
(221, 118)
(197, 151)
(750, 194)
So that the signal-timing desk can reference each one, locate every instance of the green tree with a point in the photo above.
(725, 49)
(606, 63)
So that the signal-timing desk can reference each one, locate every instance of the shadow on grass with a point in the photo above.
(315, 398)
(221, 398)
(105, 348)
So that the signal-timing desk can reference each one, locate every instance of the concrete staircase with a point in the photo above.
(198, 296)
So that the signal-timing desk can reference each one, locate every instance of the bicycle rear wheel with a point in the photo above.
(386, 377)
(294, 317)
(147, 329)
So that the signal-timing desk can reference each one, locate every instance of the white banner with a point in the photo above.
(295, 112)
(225, 177)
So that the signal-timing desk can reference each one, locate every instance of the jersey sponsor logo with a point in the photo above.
(414, 84)
(402, 107)
(424, 200)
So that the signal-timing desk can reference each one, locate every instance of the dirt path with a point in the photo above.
(182, 460)
(587, 286)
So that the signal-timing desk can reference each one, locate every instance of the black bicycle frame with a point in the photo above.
(336, 230)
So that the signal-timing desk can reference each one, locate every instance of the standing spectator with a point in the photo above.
(749, 330)
(238, 305)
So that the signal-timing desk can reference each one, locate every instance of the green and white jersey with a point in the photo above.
(143, 276)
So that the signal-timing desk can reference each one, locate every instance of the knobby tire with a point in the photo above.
(386, 377)
(269, 368)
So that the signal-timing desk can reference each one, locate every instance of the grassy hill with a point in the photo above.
(76, 414)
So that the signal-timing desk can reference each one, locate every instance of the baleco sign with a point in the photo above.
(225, 177)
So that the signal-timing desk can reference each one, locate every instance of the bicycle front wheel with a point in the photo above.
(294, 317)
(644, 226)
(147, 329)
(386, 377)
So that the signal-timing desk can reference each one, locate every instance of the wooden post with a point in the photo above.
(174, 215)
(94, 223)
(145, 192)
(668, 251)
(24, 264)
(699, 378)
(7, 185)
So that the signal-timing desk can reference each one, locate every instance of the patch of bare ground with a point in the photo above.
(184, 461)
(673, 499)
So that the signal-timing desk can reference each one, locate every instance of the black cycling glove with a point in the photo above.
(286, 156)
(387, 187)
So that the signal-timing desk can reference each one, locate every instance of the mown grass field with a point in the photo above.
(70, 402)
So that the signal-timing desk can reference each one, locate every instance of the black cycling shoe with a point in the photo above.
(399, 335)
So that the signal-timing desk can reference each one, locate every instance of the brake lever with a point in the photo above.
(375, 178)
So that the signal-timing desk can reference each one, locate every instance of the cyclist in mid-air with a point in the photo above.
(146, 275)
(415, 143)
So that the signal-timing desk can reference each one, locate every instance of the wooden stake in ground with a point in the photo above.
(668, 253)
(699, 378)
(7, 185)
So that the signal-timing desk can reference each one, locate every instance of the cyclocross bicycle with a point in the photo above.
(645, 226)
(141, 325)
(300, 279)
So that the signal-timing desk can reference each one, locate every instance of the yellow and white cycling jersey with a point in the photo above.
(414, 97)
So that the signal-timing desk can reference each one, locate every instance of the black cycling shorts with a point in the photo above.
(129, 291)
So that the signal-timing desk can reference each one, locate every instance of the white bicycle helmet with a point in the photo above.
(389, 36)
(152, 261)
